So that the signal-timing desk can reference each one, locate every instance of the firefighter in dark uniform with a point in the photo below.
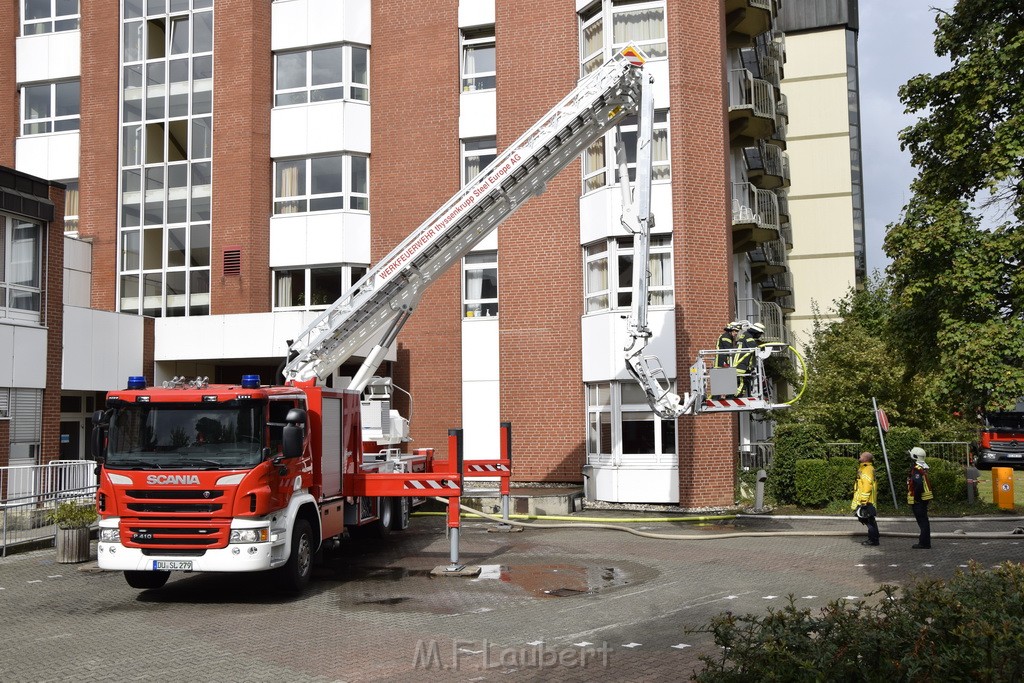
(727, 342)
(749, 342)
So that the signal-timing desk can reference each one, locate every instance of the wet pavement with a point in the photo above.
(558, 604)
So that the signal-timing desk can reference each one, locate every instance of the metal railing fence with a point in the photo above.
(30, 493)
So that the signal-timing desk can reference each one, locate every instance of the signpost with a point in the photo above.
(882, 421)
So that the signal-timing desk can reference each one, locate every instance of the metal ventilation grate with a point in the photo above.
(232, 261)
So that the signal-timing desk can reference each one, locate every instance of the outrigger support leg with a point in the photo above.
(455, 568)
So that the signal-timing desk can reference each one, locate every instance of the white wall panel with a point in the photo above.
(481, 401)
(476, 13)
(53, 156)
(101, 349)
(7, 355)
(299, 240)
(315, 129)
(298, 23)
(48, 57)
(604, 338)
(601, 212)
(478, 114)
(29, 357)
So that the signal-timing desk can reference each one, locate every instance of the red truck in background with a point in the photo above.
(1001, 439)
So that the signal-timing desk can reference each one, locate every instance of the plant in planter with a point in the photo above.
(73, 520)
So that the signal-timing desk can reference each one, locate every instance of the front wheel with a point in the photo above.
(294, 575)
(146, 580)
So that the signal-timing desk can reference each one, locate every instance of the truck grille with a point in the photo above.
(175, 521)
(1006, 446)
(174, 502)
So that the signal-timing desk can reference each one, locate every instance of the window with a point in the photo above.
(317, 287)
(621, 423)
(478, 60)
(643, 432)
(632, 21)
(476, 156)
(71, 206)
(48, 16)
(325, 183)
(50, 107)
(613, 287)
(323, 74)
(21, 265)
(480, 285)
(599, 169)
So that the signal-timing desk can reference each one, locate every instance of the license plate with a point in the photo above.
(172, 565)
(1015, 455)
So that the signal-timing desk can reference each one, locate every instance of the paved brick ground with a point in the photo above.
(554, 604)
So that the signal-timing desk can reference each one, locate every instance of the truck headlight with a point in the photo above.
(108, 535)
(249, 535)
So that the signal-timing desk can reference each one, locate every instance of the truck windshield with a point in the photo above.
(186, 436)
(1006, 422)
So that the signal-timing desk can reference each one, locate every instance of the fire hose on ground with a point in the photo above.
(592, 523)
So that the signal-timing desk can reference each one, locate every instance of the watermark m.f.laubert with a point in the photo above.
(482, 654)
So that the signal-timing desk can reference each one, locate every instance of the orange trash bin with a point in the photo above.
(1002, 487)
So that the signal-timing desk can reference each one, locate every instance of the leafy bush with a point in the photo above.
(819, 482)
(793, 442)
(970, 628)
(948, 481)
(72, 515)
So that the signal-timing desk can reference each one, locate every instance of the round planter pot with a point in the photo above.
(72, 545)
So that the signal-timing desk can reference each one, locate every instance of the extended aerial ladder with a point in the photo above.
(380, 303)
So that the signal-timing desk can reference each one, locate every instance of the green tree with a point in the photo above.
(849, 361)
(956, 276)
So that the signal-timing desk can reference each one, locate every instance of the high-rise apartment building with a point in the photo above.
(235, 166)
(827, 196)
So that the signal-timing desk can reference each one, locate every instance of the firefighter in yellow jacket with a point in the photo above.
(865, 495)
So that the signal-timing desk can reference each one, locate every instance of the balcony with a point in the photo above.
(786, 304)
(767, 260)
(767, 166)
(787, 236)
(776, 287)
(764, 59)
(768, 314)
(755, 217)
(784, 217)
(752, 114)
(746, 19)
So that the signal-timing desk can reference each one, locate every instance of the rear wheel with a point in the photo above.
(401, 517)
(382, 527)
(294, 575)
(146, 580)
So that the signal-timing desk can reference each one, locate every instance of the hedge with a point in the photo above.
(819, 482)
(898, 441)
(793, 442)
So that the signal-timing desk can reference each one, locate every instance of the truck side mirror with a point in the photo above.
(292, 433)
(99, 433)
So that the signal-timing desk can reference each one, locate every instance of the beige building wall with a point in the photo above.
(820, 199)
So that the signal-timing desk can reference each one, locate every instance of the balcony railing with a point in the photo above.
(768, 314)
(745, 19)
(787, 235)
(748, 92)
(767, 165)
(752, 206)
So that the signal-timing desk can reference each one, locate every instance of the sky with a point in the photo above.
(895, 43)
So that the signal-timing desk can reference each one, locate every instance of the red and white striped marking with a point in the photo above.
(486, 468)
(737, 402)
(431, 484)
